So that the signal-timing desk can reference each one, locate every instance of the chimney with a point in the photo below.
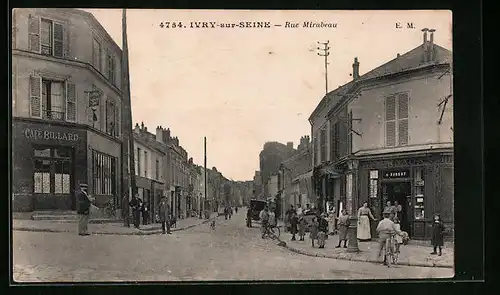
(145, 129)
(289, 145)
(159, 134)
(355, 69)
(142, 125)
(424, 44)
(137, 128)
(431, 45)
(398, 55)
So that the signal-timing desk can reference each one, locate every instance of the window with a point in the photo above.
(157, 169)
(323, 144)
(52, 100)
(336, 141)
(51, 38)
(315, 150)
(52, 170)
(110, 117)
(96, 54)
(138, 172)
(145, 164)
(111, 69)
(349, 133)
(103, 173)
(396, 119)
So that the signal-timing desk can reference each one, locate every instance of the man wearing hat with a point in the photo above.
(385, 228)
(83, 209)
(164, 212)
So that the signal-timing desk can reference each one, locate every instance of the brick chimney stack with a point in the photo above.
(425, 45)
(159, 134)
(355, 69)
(431, 45)
(289, 145)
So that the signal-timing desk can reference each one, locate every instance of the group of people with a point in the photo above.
(267, 219)
(139, 207)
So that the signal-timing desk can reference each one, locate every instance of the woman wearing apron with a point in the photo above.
(364, 216)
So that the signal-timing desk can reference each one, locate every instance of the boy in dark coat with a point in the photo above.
(294, 221)
(437, 234)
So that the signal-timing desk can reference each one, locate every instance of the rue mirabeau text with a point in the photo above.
(319, 25)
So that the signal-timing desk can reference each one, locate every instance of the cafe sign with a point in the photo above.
(397, 174)
(36, 134)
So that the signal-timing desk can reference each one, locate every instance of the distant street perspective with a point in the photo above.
(230, 252)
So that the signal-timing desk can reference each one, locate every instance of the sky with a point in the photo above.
(242, 87)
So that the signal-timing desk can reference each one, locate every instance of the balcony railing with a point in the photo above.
(54, 115)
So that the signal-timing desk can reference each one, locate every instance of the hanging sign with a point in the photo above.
(396, 174)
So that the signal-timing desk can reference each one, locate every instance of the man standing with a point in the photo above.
(249, 216)
(164, 212)
(83, 209)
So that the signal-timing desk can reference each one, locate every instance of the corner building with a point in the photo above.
(388, 136)
(66, 102)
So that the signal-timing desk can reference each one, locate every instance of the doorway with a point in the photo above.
(399, 192)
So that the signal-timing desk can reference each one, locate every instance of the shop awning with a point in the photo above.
(303, 176)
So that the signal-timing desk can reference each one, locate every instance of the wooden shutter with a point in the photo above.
(332, 141)
(403, 101)
(390, 121)
(117, 121)
(66, 42)
(58, 37)
(35, 97)
(70, 102)
(349, 133)
(34, 34)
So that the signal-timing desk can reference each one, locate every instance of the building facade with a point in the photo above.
(270, 159)
(149, 156)
(257, 185)
(66, 102)
(391, 139)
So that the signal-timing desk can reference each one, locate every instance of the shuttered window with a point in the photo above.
(349, 133)
(315, 150)
(403, 118)
(96, 54)
(34, 34)
(58, 40)
(117, 121)
(332, 141)
(396, 119)
(390, 121)
(35, 97)
(70, 102)
(111, 69)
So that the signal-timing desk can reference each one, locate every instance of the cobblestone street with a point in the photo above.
(231, 252)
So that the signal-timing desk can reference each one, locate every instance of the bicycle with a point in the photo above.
(273, 231)
(391, 255)
(110, 208)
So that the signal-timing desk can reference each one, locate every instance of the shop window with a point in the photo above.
(52, 170)
(419, 207)
(103, 173)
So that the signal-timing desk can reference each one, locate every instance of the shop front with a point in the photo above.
(422, 185)
(48, 163)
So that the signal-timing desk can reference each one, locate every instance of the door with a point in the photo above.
(400, 192)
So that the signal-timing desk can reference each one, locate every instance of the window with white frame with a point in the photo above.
(46, 37)
(396, 119)
(52, 99)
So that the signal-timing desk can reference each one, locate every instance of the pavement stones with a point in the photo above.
(104, 228)
(411, 255)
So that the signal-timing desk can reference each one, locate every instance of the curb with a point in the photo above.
(139, 233)
(352, 257)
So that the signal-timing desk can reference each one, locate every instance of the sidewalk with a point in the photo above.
(411, 255)
(104, 228)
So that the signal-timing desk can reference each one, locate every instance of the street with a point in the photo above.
(230, 252)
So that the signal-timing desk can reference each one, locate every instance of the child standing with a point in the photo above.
(323, 230)
(398, 238)
(313, 234)
(437, 234)
(343, 224)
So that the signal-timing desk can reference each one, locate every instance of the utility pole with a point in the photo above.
(128, 184)
(325, 53)
(205, 171)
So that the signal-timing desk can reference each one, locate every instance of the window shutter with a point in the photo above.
(117, 121)
(34, 34)
(58, 32)
(403, 100)
(349, 133)
(66, 42)
(70, 102)
(390, 123)
(35, 97)
(332, 142)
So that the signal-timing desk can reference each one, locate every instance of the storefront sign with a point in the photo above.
(397, 174)
(37, 134)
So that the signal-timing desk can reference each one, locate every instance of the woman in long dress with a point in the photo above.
(364, 216)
